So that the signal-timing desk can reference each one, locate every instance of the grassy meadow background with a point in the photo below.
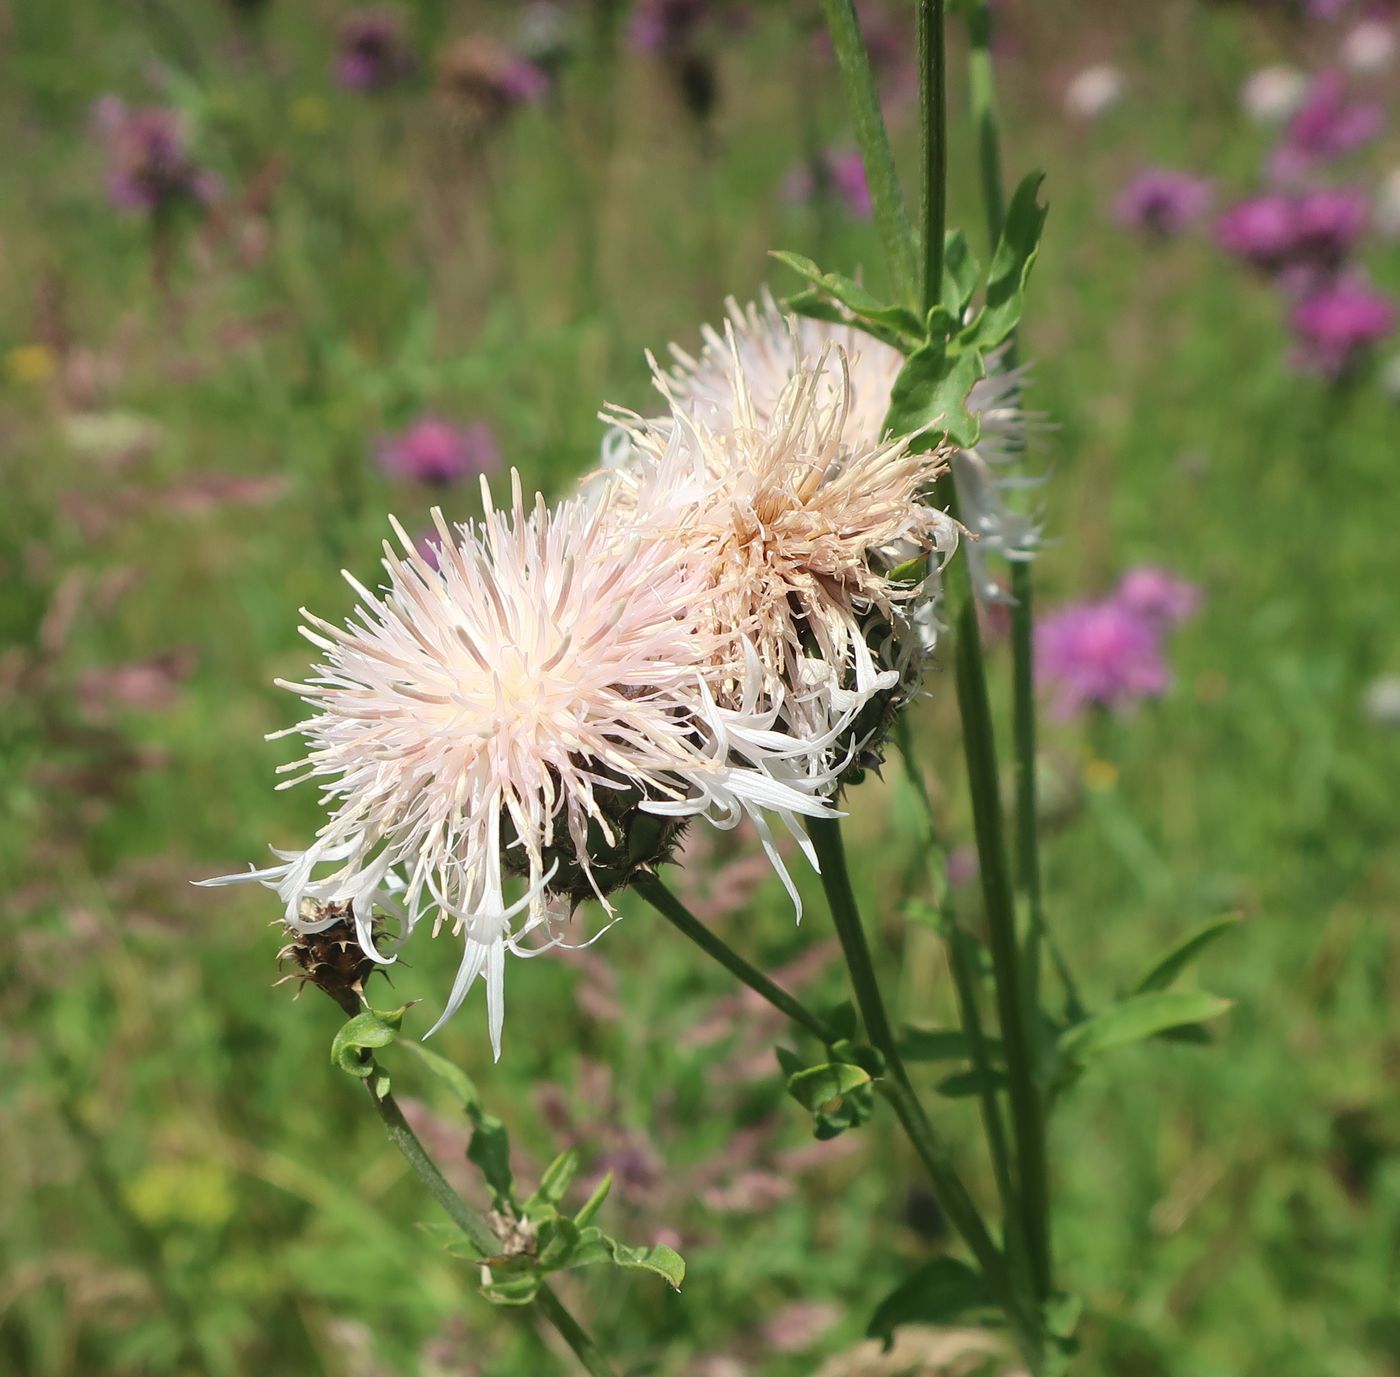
(187, 458)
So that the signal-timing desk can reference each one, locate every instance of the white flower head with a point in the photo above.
(763, 468)
(768, 349)
(1270, 95)
(1094, 91)
(507, 718)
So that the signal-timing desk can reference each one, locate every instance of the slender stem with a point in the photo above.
(476, 1229)
(680, 917)
(1027, 1109)
(952, 1195)
(934, 144)
(863, 101)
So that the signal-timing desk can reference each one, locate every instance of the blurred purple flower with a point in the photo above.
(1337, 325)
(1157, 595)
(667, 26)
(1261, 230)
(372, 52)
(436, 452)
(1327, 125)
(839, 171)
(480, 81)
(1163, 201)
(148, 159)
(1329, 222)
(1101, 654)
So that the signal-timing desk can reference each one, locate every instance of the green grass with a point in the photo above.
(180, 1152)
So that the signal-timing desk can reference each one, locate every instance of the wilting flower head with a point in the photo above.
(436, 452)
(1329, 124)
(769, 348)
(148, 159)
(1158, 595)
(840, 171)
(372, 52)
(1163, 201)
(1272, 94)
(1094, 91)
(1103, 654)
(482, 82)
(797, 518)
(531, 711)
(1336, 326)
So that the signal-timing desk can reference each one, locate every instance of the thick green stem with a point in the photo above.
(952, 1195)
(863, 101)
(476, 1229)
(934, 145)
(681, 918)
(1027, 1108)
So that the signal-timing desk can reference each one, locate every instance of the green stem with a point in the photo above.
(952, 1195)
(482, 1238)
(934, 145)
(680, 917)
(863, 101)
(1027, 1108)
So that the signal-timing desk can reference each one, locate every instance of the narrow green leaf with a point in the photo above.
(1137, 1017)
(1165, 971)
(555, 1243)
(815, 305)
(930, 394)
(595, 1246)
(557, 1176)
(961, 272)
(819, 1085)
(489, 1149)
(453, 1077)
(962, 1084)
(450, 1239)
(363, 1033)
(1012, 262)
(944, 1044)
(788, 1060)
(594, 1203)
(940, 1292)
(852, 295)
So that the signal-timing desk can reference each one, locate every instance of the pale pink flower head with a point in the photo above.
(438, 453)
(1158, 595)
(1270, 95)
(512, 730)
(1094, 91)
(1100, 654)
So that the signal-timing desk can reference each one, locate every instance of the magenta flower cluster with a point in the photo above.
(149, 165)
(1110, 653)
(1163, 201)
(372, 51)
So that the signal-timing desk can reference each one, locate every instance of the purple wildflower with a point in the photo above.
(481, 82)
(1157, 595)
(838, 170)
(667, 26)
(1329, 124)
(1163, 201)
(1262, 231)
(438, 453)
(372, 52)
(148, 160)
(1329, 221)
(1337, 325)
(1101, 654)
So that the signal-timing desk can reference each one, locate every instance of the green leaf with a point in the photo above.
(940, 1292)
(853, 296)
(1137, 1017)
(817, 1086)
(961, 272)
(1012, 262)
(594, 1203)
(519, 1290)
(930, 393)
(816, 306)
(362, 1034)
(841, 1018)
(789, 1062)
(453, 1077)
(1165, 971)
(962, 1084)
(557, 1177)
(555, 1243)
(595, 1246)
(944, 1044)
(489, 1149)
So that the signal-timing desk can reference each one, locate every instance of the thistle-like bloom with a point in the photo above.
(769, 348)
(372, 52)
(1163, 201)
(480, 82)
(149, 167)
(795, 513)
(438, 453)
(1337, 326)
(528, 712)
(1329, 124)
